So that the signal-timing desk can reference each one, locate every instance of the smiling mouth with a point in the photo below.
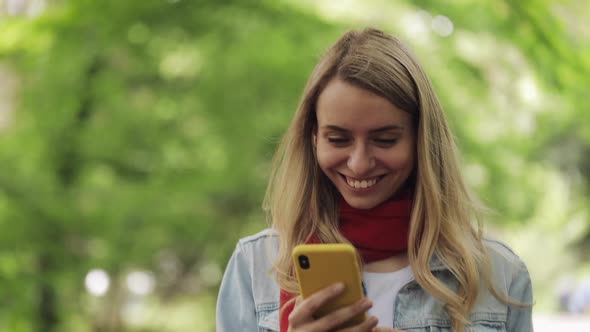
(362, 184)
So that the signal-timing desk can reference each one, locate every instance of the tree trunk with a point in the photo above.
(47, 314)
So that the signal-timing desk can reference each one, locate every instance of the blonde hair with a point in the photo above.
(301, 201)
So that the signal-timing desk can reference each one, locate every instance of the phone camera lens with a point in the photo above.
(304, 262)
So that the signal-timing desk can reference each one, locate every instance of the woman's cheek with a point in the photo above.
(328, 158)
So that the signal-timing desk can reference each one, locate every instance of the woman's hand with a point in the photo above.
(301, 318)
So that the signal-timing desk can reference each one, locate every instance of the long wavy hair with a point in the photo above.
(300, 200)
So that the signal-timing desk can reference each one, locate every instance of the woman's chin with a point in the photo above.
(362, 203)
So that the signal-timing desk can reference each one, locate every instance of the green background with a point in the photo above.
(136, 136)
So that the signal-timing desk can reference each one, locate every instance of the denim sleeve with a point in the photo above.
(521, 289)
(235, 302)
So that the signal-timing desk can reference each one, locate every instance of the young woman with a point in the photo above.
(369, 160)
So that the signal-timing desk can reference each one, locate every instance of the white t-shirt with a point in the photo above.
(382, 289)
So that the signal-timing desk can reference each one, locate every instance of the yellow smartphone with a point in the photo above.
(318, 266)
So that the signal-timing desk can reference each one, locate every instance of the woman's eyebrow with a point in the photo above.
(336, 128)
(376, 130)
(387, 128)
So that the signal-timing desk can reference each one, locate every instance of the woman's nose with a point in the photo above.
(361, 160)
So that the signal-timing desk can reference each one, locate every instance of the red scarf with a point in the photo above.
(377, 234)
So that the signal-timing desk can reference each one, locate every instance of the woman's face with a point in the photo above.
(365, 145)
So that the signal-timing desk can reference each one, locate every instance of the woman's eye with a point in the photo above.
(337, 140)
(386, 141)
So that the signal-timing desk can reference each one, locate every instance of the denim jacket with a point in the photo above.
(249, 295)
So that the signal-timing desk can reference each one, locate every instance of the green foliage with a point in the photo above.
(141, 140)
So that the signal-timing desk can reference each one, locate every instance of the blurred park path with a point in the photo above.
(569, 323)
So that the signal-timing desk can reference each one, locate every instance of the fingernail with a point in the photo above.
(374, 320)
(338, 287)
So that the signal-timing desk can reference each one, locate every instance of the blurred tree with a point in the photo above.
(140, 142)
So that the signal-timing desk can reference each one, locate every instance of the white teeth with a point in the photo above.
(361, 184)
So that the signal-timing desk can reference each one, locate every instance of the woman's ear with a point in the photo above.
(314, 142)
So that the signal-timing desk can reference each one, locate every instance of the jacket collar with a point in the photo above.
(436, 264)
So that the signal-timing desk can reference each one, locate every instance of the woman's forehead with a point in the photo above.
(347, 106)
